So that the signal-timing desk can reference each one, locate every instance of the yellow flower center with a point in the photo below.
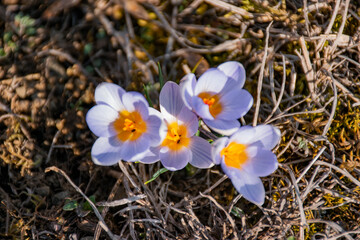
(212, 100)
(235, 155)
(129, 126)
(176, 137)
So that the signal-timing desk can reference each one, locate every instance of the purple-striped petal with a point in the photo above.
(212, 81)
(110, 94)
(235, 70)
(187, 86)
(268, 135)
(190, 120)
(216, 148)
(100, 118)
(250, 186)
(153, 124)
(236, 103)
(106, 151)
(175, 160)
(134, 101)
(201, 153)
(224, 127)
(200, 108)
(149, 156)
(171, 102)
(261, 162)
(130, 149)
(243, 135)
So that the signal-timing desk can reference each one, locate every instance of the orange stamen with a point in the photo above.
(176, 137)
(212, 100)
(129, 126)
(235, 155)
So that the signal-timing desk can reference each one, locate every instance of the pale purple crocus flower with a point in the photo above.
(125, 124)
(179, 145)
(217, 97)
(246, 156)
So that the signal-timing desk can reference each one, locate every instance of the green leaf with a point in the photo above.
(291, 238)
(237, 212)
(198, 131)
(161, 77)
(146, 91)
(190, 170)
(157, 174)
(70, 205)
(87, 206)
(197, 65)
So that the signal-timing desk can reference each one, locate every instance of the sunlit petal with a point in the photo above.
(189, 119)
(171, 102)
(262, 162)
(243, 135)
(268, 135)
(175, 160)
(217, 146)
(235, 70)
(134, 101)
(99, 119)
(213, 80)
(153, 125)
(187, 86)
(201, 153)
(149, 156)
(130, 149)
(106, 151)
(110, 94)
(250, 186)
(236, 103)
(201, 109)
(224, 127)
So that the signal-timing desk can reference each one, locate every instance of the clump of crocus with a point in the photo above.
(217, 97)
(246, 156)
(125, 124)
(179, 145)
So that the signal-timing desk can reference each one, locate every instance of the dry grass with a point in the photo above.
(303, 70)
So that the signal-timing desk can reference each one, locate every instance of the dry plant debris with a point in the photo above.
(302, 61)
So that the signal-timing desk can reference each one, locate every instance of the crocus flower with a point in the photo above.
(246, 156)
(125, 124)
(217, 97)
(179, 146)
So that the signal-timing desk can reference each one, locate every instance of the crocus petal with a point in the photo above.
(110, 94)
(175, 160)
(189, 119)
(153, 124)
(134, 101)
(100, 118)
(200, 108)
(106, 151)
(201, 153)
(187, 86)
(250, 186)
(244, 135)
(268, 135)
(130, 149)
(235, 70)
(224, 127)
(236, 103)
(213, 80)
(217, 146)
(149, 156)
(171, 102)
(262, 162)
